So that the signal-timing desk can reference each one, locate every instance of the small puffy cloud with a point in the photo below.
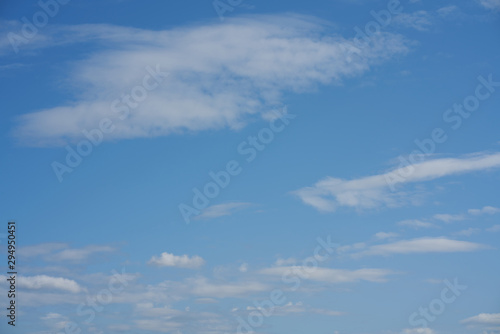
(171, 260)
(483, 319)
(485, 210)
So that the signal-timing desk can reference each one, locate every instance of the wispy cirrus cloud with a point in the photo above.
(216, 79)
(468, 232)
(328, 275)
(416, 223)
(375, 191)
(421, 246)
(418, 331)
(448, 218)
(220, 210)
(150, 317)
(490, 4)
(63, 252)
(385, 235)
(44, 282)
(420, 20)
(295, 308)
(494, 228)
(180, 261)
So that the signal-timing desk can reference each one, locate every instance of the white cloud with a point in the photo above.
(491, 4)
(287, 309)
(415, 223)
(385, 235)
(216, 79)
(419, 20)
(169, 320)
(206, 301)
(80, 254)
(484, 318)
(422, 245)
(171, 260)
(62, 252)
(350, 248)
(418, 331)
(220, 210)
(295, 308)
(243, 268)
(448, 10)
(203, 288)
(376, 191)
(41, 249)
(44, 282)
(285, 262)
(494, 228)
(56, 321)
(447, 218)
(328, 275)
(51, 316)
(468, 232)
(485, 210)
(330, 313)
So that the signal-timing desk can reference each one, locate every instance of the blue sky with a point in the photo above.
(244, 166)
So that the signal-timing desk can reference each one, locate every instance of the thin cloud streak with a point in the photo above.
(374, 191)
